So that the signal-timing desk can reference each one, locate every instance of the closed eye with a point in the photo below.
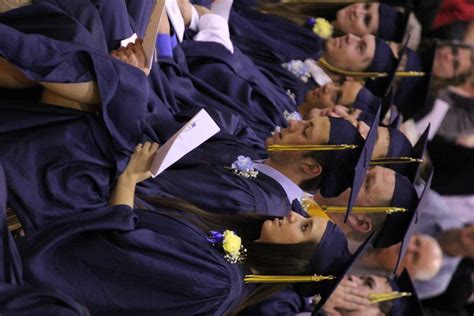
(337, 97)
(361, 46)
(304, 227)
(367, 19)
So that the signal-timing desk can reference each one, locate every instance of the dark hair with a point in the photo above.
(298, 13)
(266, 258)
(314, 184)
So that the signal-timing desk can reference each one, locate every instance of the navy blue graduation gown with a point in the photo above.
(283, 303)
(57, 161)
(120, 85)
(217, 189)
(16, 297)
(130, 109)
(119, 261)
(286, 38)
(257, 96)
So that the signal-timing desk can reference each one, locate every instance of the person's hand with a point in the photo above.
(351, 115)
(138, 168)
(133, 55)
(348, 296)
(465, 140)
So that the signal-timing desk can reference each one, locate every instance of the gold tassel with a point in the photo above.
(312, 208)
(403, 74)
(382, 297)
(364, 209)
(310, 147)
(397, 160)
(256, 278)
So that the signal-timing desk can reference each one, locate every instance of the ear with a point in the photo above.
(360, 222)
(311, 168)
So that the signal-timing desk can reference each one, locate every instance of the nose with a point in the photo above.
(356, 279)
(358, 11)
(293, 124)
(350, 38)
(292, 216)
(326, 88)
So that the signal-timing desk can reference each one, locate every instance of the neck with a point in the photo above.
(304, 108)
(287, 171)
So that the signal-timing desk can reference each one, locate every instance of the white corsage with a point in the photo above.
(295, 116)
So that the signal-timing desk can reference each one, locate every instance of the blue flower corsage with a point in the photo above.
(231, 244)
(298, 68)
(243, 166)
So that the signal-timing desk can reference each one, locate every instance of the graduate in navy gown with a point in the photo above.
(117, 260)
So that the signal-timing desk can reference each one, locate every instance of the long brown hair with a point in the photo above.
(266, 258)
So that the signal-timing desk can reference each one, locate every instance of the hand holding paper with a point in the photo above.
(199, 129)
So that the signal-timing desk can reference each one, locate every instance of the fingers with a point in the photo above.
(138, 147)
(154, 147)
(148, 147)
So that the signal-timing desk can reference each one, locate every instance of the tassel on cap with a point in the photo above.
(375, 298)
(310, 147)
(256, 278)
(360, 74)
(396, 160)
(365, 209)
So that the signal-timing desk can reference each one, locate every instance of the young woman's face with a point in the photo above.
(333, 93)
(358, 18)
(293, 229)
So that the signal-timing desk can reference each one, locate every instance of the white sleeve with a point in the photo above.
(214, 28)
(194, 24)
(435, 117)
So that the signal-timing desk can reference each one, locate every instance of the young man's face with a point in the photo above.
(350, 52)
(377, 190)
(314, 131)
(333, 93)
(373, 284)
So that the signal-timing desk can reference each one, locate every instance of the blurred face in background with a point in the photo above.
(452, 62)
(358, 18)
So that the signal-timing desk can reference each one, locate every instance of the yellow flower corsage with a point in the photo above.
(322, 28)
(231, 243)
